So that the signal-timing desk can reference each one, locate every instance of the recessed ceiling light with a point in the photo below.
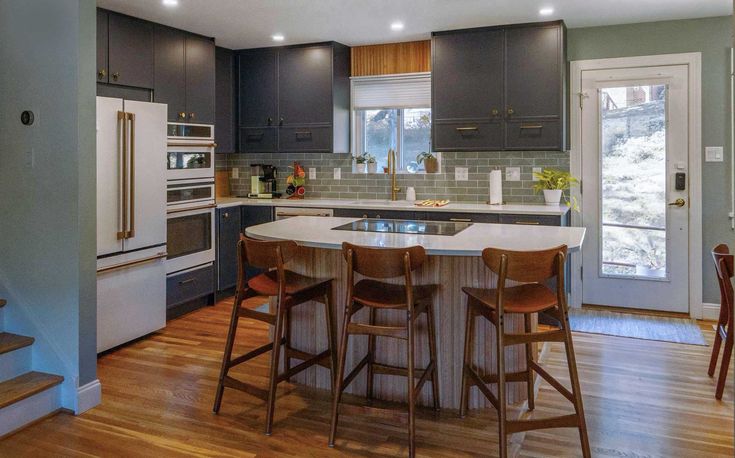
(548, 11)
(396, 25)
(171, 3)
(278, 37)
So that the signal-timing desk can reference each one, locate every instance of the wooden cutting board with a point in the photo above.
(222, 183)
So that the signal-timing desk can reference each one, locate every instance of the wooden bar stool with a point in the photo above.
(290, 289)
(381, 263)
(531, 268)
(725, 331)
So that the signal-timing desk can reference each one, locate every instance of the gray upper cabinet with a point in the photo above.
(185, 75)
(294, 99)
(224, 126)
(124, 50)
(499, 88)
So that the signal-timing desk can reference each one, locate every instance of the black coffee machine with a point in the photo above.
(263, 181)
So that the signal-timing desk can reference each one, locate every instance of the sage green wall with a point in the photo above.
(713, 38)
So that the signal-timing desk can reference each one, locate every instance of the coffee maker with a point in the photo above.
(263, 181)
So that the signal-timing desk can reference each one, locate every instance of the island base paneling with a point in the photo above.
(450, 273)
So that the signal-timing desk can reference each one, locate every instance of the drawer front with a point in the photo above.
(371, 213)
(467, 136)
(461, 217)
(318, 139)
(258, 140)
(535, 220)
(533, 135)
(189, 285)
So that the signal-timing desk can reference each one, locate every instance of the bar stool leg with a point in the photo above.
(411, 388)
(529, 360)
(724, 365)
(499, 334)
(339, 379)
(329, 322)
(275, 362)
(469, 331)
(574, 377)
(715, 352)
(371, 358)
(287, 345)
(433, 355)
(228, 352)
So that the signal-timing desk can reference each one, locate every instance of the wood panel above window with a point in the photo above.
(391, 58)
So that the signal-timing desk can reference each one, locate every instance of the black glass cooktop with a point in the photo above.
(399, 226)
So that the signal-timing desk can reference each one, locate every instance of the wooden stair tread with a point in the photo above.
(3, 302)
(10, 342)
(25, 386)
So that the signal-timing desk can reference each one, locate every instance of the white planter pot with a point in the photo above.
(372, 167)
(360, 168)
(645, 271)
(552, 196)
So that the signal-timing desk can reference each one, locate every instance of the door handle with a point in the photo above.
(122, 122)
(131, 174)
(678, 203)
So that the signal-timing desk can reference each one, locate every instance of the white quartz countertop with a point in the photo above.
(458, 207)
(317, 232)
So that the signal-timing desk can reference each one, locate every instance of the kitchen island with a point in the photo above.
(454, 261)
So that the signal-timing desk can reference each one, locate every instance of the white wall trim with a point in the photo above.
(88, 396)
(694, 63)
(710, 311)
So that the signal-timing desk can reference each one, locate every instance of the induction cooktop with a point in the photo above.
(399, 226)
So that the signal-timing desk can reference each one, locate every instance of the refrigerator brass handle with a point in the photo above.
(124, 265)
(181, 210)
(121, 117)
(460, 220)
(193, 145)
(131, 175)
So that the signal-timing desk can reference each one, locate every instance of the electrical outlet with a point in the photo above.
(512, 174)
(235, 173)
(461, 174)
(536, 170)
(713, 154)
(312, 173)
(337, 173)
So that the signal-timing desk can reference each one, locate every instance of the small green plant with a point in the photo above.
(424, 156)
(556, 180)
(364, 158)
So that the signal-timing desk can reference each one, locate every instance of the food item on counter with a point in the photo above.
(432, 203)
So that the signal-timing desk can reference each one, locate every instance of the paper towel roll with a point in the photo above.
(495, 196)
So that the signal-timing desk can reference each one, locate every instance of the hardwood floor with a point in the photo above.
(642, 398)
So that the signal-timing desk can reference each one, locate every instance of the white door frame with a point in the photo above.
(694, 63)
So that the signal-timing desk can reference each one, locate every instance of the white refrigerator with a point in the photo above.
(131, 220)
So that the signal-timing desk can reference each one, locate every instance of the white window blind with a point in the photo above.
(409, 91)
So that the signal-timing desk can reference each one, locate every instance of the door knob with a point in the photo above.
(678, 203)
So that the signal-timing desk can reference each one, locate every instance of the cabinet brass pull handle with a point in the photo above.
(511, 111)
(466, 129)
(102, 73)
(306, 133)
(187, 281)
(528, 223)
(115, 76)
(182, 115)
(532, 126)
(460, 220)
(495, 112)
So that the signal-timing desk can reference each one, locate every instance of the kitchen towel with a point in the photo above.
(495, 193)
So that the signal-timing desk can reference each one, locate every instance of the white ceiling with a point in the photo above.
(251, 23)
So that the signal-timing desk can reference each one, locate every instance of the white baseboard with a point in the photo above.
(88, 396)
(710, 311)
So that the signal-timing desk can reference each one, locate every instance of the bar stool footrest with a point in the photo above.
(552, 381)
(303, 356)
(252, 390)
(563, 421)
(314, 359)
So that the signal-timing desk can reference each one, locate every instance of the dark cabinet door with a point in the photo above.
(533, 71)
(258, 88)
(170, 84)
(467, 75)
(228, 234)
(200, 79)
(224, 126)
(252, 215)
(102, 43)
(130, 49)
(305, 85)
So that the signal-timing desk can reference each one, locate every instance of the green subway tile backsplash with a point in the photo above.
(371, 186)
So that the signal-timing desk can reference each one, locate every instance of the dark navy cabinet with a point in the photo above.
(500, 88)
(224, 126)
(252, 215)
(200, 79)
(371, 213)
(124, 50)
(228, 234)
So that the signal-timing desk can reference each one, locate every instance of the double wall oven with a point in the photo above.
(190, 197)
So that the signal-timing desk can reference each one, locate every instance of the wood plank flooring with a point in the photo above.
(642, 398)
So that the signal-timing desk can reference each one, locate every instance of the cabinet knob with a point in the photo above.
(226, 215)
(280, 121)
(192, 115)
(270, 120)
(182, 115)
(364, 215)
(101, 74)
(115, 76)
(510, 111)
(494, 112)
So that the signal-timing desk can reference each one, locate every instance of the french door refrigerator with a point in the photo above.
(131, 220)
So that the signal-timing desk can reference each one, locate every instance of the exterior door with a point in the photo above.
(635, 187)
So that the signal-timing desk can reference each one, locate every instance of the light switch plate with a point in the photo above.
(312, 173)
(536, 170)
(235, 173)
(337, 173)
(713, 154)
(512, 174)
(461, 174)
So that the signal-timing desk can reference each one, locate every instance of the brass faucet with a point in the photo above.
(392, 170)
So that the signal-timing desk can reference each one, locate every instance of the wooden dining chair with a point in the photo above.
(724, 331)
(290, 289)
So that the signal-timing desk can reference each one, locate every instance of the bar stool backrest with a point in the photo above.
(383, 262)
(724, 267)
(526, 266)
(263, 255)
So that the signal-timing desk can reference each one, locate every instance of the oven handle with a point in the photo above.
(187, 209)
(123, 265)
(193, 145)
(326, 215)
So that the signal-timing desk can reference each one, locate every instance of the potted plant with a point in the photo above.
(372, 164)
(360, 162)
(431, 164)
(553, 182)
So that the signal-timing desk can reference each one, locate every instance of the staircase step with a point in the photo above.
(2, 303)
(10, 342)
(26, 385)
